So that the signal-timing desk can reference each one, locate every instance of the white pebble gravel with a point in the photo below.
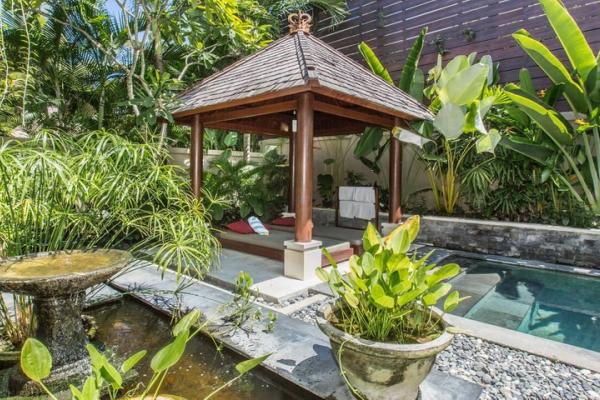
(505, 373)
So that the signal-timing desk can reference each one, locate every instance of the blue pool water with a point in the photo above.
(554, 305)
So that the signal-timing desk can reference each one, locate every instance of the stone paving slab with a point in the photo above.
(269, 281)
(301, 353)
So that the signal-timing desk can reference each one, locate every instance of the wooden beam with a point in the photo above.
(249, 112)
(240, 102)
(342, 129)
(334, 94)
(395, 177)
(303, 158)
(196, 156)
(357, 115)
(248, 127)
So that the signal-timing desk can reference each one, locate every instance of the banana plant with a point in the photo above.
(411, 81)
(570, 153)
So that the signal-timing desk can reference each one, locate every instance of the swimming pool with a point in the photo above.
(559, 306)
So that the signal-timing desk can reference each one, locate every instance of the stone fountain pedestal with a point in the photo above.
(57, 282)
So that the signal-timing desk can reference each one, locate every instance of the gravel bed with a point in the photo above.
(284, 303)
(308, 314)
(505, 373)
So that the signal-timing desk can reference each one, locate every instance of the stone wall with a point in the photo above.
(549, 243)
(556, 244)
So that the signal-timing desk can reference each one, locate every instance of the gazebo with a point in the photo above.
(298, 81)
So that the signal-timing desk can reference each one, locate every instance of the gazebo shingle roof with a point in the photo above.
(295, 63)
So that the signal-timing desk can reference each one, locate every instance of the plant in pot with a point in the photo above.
(383, 328)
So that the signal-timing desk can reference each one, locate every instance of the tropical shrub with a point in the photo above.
(244, 188)
(569, 155)
(388, 295)
(461, 94)
(36, 364)
(91, 65)
(100, 190)
(326, 189)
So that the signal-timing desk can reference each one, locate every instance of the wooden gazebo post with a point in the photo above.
(303, 171)
(302, 254)
(196, 156)
(292, 163)
(395, 178)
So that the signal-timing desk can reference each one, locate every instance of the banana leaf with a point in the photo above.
(418, 85)
(373, 62)
(526, 147)
(456, 65)
(592, 85)
(511, 87)
(547, 118)
(570, 36)
(552, 94)
(465, 86)
(368, 142)
(412, 62)
(488, 142)
(525, 81)
(552, 66)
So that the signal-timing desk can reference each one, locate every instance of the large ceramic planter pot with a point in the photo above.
(382, 371)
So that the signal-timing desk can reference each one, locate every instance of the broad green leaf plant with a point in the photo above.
(36, 363)
(569, 152)
(389, 295)
(461, 94)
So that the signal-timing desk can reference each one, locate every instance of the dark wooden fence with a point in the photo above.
(456, 26)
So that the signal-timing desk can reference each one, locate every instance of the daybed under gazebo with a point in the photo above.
(299, 81)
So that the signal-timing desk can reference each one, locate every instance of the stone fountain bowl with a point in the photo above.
(60, 273)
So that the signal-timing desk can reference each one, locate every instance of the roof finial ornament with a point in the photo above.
(299, 22)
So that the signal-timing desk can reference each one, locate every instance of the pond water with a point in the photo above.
(560, 306)
(128, 326)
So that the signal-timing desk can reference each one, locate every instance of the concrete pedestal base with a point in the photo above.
(301, 259)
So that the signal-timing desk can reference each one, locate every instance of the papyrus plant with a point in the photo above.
(98, 190)
(388, 295)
